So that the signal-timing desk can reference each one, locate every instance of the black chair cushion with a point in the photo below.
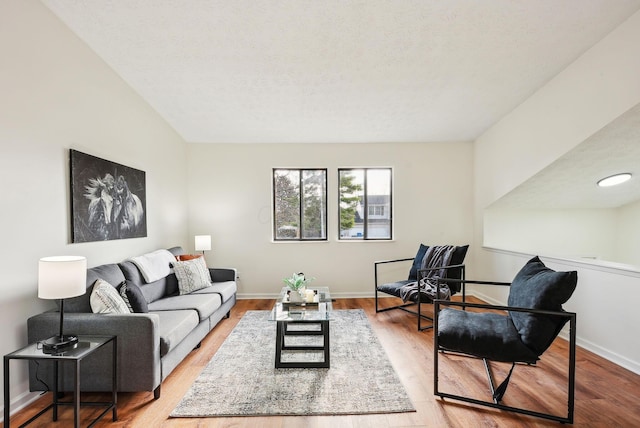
(482, 334)
(457, 258)
(393, 288)
(417, 262)
(538, 287)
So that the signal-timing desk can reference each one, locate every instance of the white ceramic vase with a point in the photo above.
(297, 296)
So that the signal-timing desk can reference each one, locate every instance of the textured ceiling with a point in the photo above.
(570, 182)
(338, 70)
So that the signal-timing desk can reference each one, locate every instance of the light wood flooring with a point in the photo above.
(606, 394)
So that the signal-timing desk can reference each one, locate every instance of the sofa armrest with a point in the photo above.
(139, 367)
(223, 274)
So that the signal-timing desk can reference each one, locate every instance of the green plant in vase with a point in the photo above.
(297, 284)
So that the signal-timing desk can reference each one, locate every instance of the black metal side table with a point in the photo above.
(86, 346)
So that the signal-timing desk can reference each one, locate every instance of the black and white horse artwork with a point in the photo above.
(107, 208)
(128, 210)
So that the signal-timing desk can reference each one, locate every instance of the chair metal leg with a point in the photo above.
(497, 393)
(375, 285)
(405, 307)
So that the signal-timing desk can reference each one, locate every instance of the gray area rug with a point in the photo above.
(240, 379)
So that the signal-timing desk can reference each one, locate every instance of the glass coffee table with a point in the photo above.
(306, 320)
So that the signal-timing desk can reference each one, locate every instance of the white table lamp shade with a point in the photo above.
(203, 242)
(61, 277)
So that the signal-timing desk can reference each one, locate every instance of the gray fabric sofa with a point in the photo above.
(150, 345)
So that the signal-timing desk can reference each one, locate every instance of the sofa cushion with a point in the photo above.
(108, 272)
(226, 289)
(133, 297)
(204, 304)
(538, 287)
(154, 290)
(105, 299)
(155, 265)
(192, 275)
(176, 251)
(174, 326)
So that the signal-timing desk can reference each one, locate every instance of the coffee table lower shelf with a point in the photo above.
(282, 331)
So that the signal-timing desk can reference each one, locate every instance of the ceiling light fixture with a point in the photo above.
(614, 180)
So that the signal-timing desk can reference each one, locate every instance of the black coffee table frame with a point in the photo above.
(283, 330)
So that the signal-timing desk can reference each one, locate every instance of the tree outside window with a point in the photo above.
(365, 203)
(300, 204)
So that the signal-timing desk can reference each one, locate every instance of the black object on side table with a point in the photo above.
(86, 346)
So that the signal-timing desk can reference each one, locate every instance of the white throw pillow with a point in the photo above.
(192, 275)
(106, 300)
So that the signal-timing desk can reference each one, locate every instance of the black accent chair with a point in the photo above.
(518, 333)
(455, 270)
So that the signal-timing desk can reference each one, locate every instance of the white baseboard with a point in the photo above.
(615, 358)
(21, 402)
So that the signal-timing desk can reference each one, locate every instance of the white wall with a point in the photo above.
(230, 198)
(628, 234)
(575, 233)
(57, 94)
(602, 234)
(598, 87)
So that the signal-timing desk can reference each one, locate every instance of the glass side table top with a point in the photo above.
(86, 345)
(316, 307)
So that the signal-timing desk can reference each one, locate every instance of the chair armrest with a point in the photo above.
(462, 281)
(423, 270)
(471, 281)
(379, 262)
(438, 302)
(223, 274)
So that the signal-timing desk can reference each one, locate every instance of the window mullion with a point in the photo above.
(301, 204)
(365, 226)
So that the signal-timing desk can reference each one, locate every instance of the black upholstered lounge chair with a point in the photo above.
(518, 333)
(424, 276)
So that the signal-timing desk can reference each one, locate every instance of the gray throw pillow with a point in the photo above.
(192, 275)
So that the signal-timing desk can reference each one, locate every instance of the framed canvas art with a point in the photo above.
(108, 200)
